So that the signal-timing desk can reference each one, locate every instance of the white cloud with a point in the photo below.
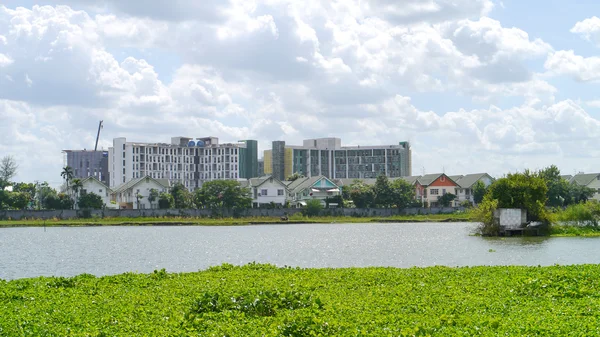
(5, 60)
(566, 62)
(589, 29)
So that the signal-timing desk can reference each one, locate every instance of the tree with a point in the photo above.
(479, 190)
(166, 201)
(76, 187)
(577, 194)
(44, 192)
(521, 190)
(181, 196)
(138, 198)
(403, 193)
(313, 208)
(558, 188)
(446, 199)
(362, 195)
(384, 196)
(18, 200)
(222, 194)
(8, 170)
(67, 175)
(90, 201)
(294, 176)
(153, 196)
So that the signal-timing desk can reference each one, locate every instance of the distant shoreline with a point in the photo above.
(178, 221)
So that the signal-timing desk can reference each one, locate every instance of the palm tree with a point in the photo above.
(67, 174)
(76, 187)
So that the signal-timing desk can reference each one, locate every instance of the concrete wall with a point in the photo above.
(133, 213)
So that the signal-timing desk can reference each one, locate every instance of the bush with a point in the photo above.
(313, 208)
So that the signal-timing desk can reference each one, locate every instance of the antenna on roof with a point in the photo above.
(423, 170)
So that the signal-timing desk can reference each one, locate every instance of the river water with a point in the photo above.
(69, 251)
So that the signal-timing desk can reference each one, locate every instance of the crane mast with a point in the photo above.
(98, 135)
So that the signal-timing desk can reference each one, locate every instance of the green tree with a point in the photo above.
(446, 199)
(181, 196)
(8, 170)
(313, 208)
(521, 190)
(18, 200)
(222, 194)
(67, 175)
(76, 187)
(45, 192)
(166, 201)
(558, 188)
(362, 195)
(90, 201)
(577, 194)
(479, 190)
(384, 196)
(294, 176)
(138, 198)
(153, 196)
(403, 193)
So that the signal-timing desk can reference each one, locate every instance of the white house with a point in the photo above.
(93, 185)
(266, 190)
(304, 189)
(591, 180)
(464, 190)
(126, 195)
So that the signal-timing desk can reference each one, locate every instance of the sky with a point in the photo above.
(475, 85)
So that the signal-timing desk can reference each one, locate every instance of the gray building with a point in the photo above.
(87, 164)
(327, 157)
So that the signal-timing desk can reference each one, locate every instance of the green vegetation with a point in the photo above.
(262, 300)
(220, 221)
(383, 193)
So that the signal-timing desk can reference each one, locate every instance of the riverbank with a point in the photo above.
(245, 221)
(261, 300)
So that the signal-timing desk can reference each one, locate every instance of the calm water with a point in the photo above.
(30, 252)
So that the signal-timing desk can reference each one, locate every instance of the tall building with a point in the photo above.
(188, 161)
(249, 159)
(87, 164)
(327, 156)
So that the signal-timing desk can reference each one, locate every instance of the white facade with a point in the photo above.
(464, 192)
(125, 195)
(268, 190)
(92, 185)
(186, 161)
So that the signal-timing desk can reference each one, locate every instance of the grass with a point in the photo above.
(297, 218)
(262, 300)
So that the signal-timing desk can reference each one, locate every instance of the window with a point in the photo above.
(263, 193)
(434, 191)
(279, 192)
(100, 191)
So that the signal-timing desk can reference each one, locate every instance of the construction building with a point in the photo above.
(185, 160)
(86, 164)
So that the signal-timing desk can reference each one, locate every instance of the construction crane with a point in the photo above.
(98, 136)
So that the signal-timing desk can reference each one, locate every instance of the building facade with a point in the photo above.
(86, 164)
(327, 157)
(185, 160)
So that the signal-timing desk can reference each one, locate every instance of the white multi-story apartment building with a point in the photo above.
(185, 160)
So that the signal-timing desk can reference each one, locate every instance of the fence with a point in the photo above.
(203, 213)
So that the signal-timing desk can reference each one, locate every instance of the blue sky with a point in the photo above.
(475, 85)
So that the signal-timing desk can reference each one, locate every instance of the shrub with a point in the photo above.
(313, 208)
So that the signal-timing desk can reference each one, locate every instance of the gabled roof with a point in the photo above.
(427, 179)
(411, 180)
(456, 178)
(470, 179)
(584, 179)
(95, 180)
(301, 184)
(567, 177)
(133, 182)
(257, 182)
